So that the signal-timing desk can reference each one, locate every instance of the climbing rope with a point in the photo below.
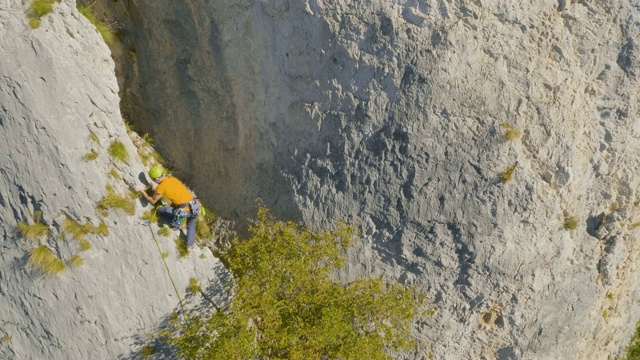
(148, 224)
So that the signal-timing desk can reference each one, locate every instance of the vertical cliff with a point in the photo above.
(59, 103)
(394, 116)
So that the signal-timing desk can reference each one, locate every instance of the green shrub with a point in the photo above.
(506, 176)
(104, 29)
(37, 10)
(6, 338)
(570, 223)
(194, 285)
(46, 261)
(114, 201)
(633, 349)
(30, 232)
(147, 351)
(118, 151)
(287, 305)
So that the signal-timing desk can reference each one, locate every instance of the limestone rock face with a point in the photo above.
(59, 101)
(389, 114)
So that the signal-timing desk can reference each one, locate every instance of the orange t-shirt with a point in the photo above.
(174, 190)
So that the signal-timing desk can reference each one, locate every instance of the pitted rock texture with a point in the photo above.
(389, 114)
(57, 87)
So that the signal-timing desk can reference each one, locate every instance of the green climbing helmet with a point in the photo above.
(156, 171)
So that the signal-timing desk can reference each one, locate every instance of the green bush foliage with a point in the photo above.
(118, 151)
(633, 349)
(46, 261)
(287, 306)
(147, 351)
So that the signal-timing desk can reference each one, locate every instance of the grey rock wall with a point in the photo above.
(388, 114)
(57, 85)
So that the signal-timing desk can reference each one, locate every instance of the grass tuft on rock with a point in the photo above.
(114, 201)
(31, 232)
(90, 156)
(104, 29)
(164, 231)
(84, 244)
(46, 261)
(118, 151)
(570, 223)
(194, 286)
(511, 133)
(37, 10)
(76, 261)
(508, 174)
(147, 351)
(181, 247)
(76, 230)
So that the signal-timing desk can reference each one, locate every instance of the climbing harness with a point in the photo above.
(148, 224)
(180, 214)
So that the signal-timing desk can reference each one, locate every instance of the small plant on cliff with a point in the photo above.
(6, 338)
(205, 223)
(194, 285)
(76, 261)
(37, 10)
(118, 151)
(633, 349)
(112, 200)
(511, 133)
(287, 304)
(46, 261)
(164, 231)
(101, 26)
(181, 247)
(92, 155)
(147, 351)
(570, 223)
(506, 176)
(30, 232)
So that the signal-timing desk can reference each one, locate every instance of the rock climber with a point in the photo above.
(183, 204)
